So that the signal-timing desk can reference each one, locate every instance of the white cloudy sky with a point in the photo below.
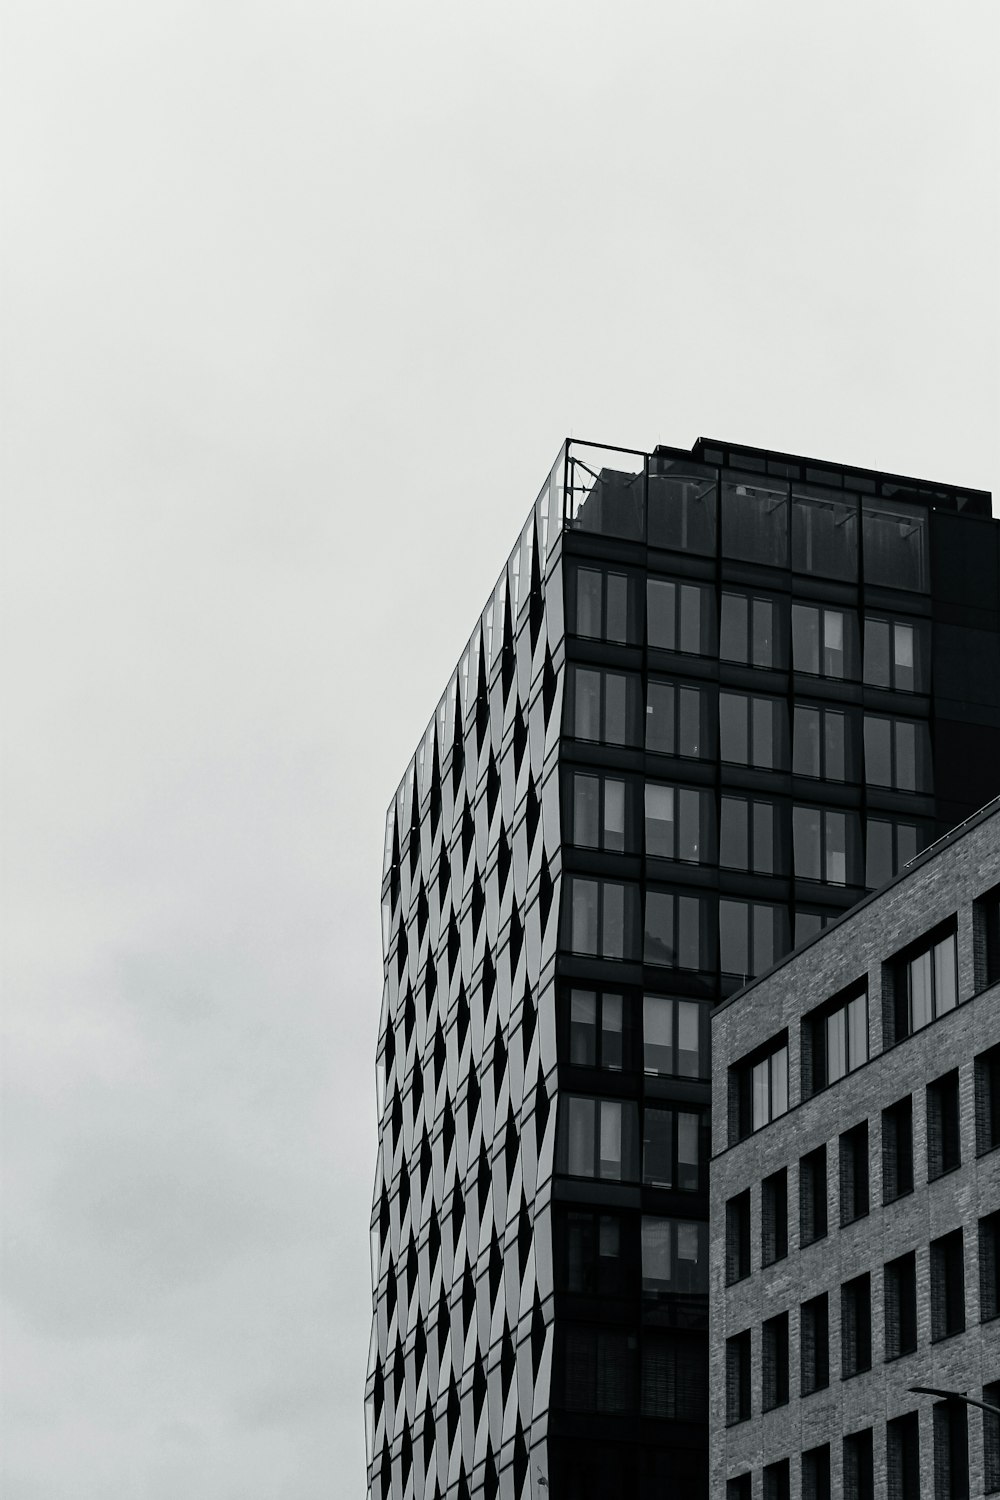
(299, 301)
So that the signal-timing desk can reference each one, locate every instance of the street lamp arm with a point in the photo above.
(931, 1390)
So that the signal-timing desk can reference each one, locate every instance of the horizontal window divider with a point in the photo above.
(808, 685)
(603, 1193)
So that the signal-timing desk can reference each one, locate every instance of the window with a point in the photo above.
(815, 1345)
(748, 632)
(894, 544)
(897, 1150)
(812, 1197)
(677, 720)
(816, 1473)
(824, 641)
(679, 823)
(947, 1286)
(674, 1256)
(778, 1481)
(674, 1148)
(897, 754)
(601, 918)
(825, 743)
(859, 1466)
(752, 731)
(951, 1451)
(604, 706)
(740, 1487)
(902, 1444)
(738, 1379)
(752, 935)
(922, 982)
(674, 1377)
(599, 1030)
(675, 1037)
(991, 1439)
(986, 939)
(602, 812)
(755, 521)
(599, 1372)
(758, 1088)
(827, 845)
(738, 1238)
(594, 1260)
(944, 1140)
(750, 837)
(598, 1139)
(988, 1101)
(774, 1217)
(809, 923)
(854, 1173)
(856, 1326)
(774, 1358)
(989, 1267)
(834, 1040)
(681, 508)
(675, 930)
(680, 616)
(896, 653)
(901, 1306)
(889, 845)
(605, 606)
(824, 535)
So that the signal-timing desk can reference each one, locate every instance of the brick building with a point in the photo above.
(855, 1198)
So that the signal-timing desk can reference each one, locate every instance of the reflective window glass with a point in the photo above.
(661, 613)
(583, 1028)
(895, 545)
(589, 612)
(617, 626)
(586, 805)
(825, 536)
(681, 510)
(658, 1034)
(658, 1147)
(755, 521)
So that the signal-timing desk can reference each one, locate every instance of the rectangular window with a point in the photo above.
(738, 1238)
(604, 706)
(856, 1326)
(750, 836)
(600, 918)
(902, 1444)
(991, 1439)
(897, 1150)
(825, 641)
(897, 754)
(738, 1378)
(986, 939)
(889, 845)
(598, 1139)
(602, 812)
(755, 521)
(678, 720)
(922, 982)
(989, 1267)
(674, 1377)
(679, 823)
(951, 1451)
(740, 1487)
(894, 545)
(675, 1037)
(854, 1173)
(777, 1480)
(774, 1358)
(825, 535)
(896, 654)
(774, 1217)
(752, 731)
(593, 1262)
(674, 1148)
(944, 1140)
(815, 1345)
(680, 616)
(758, 1088)
(825, 743)
(599, 1373)
(674, 1257)
(859, 1466)
(674, 930)
(988, 1101)
(816, 1473)
(749, 631)
(834, 1040)
(827, 845)
(752, 936)
(599, 1030)
(812, 1197)
(901, 1306)
(947, 1286)
(605, 606)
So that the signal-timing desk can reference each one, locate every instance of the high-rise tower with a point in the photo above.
(715, 697)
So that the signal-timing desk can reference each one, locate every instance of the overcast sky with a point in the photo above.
(300, 300)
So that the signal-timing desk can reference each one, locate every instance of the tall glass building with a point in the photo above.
(715, 697)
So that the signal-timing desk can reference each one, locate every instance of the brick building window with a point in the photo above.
(951, 1451)
(986, 938)
(812, 1197)
(740, 1487)
(778, 1480)
(944, 1134)
(921, 983)
(989, 1267)
(774, 1362)
(815, 1344)
(901, 1305)
(738, 1237)
(991, 1439)
(859, 1466)
(774, 1217)
(854, 1173)
(897, 1150)
(834, 1040)
(816, 1473)
(988, 1101)
(758, 1088)
(902, 1442)
(856, 1326)
(947, 1286)
(738, 1401)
